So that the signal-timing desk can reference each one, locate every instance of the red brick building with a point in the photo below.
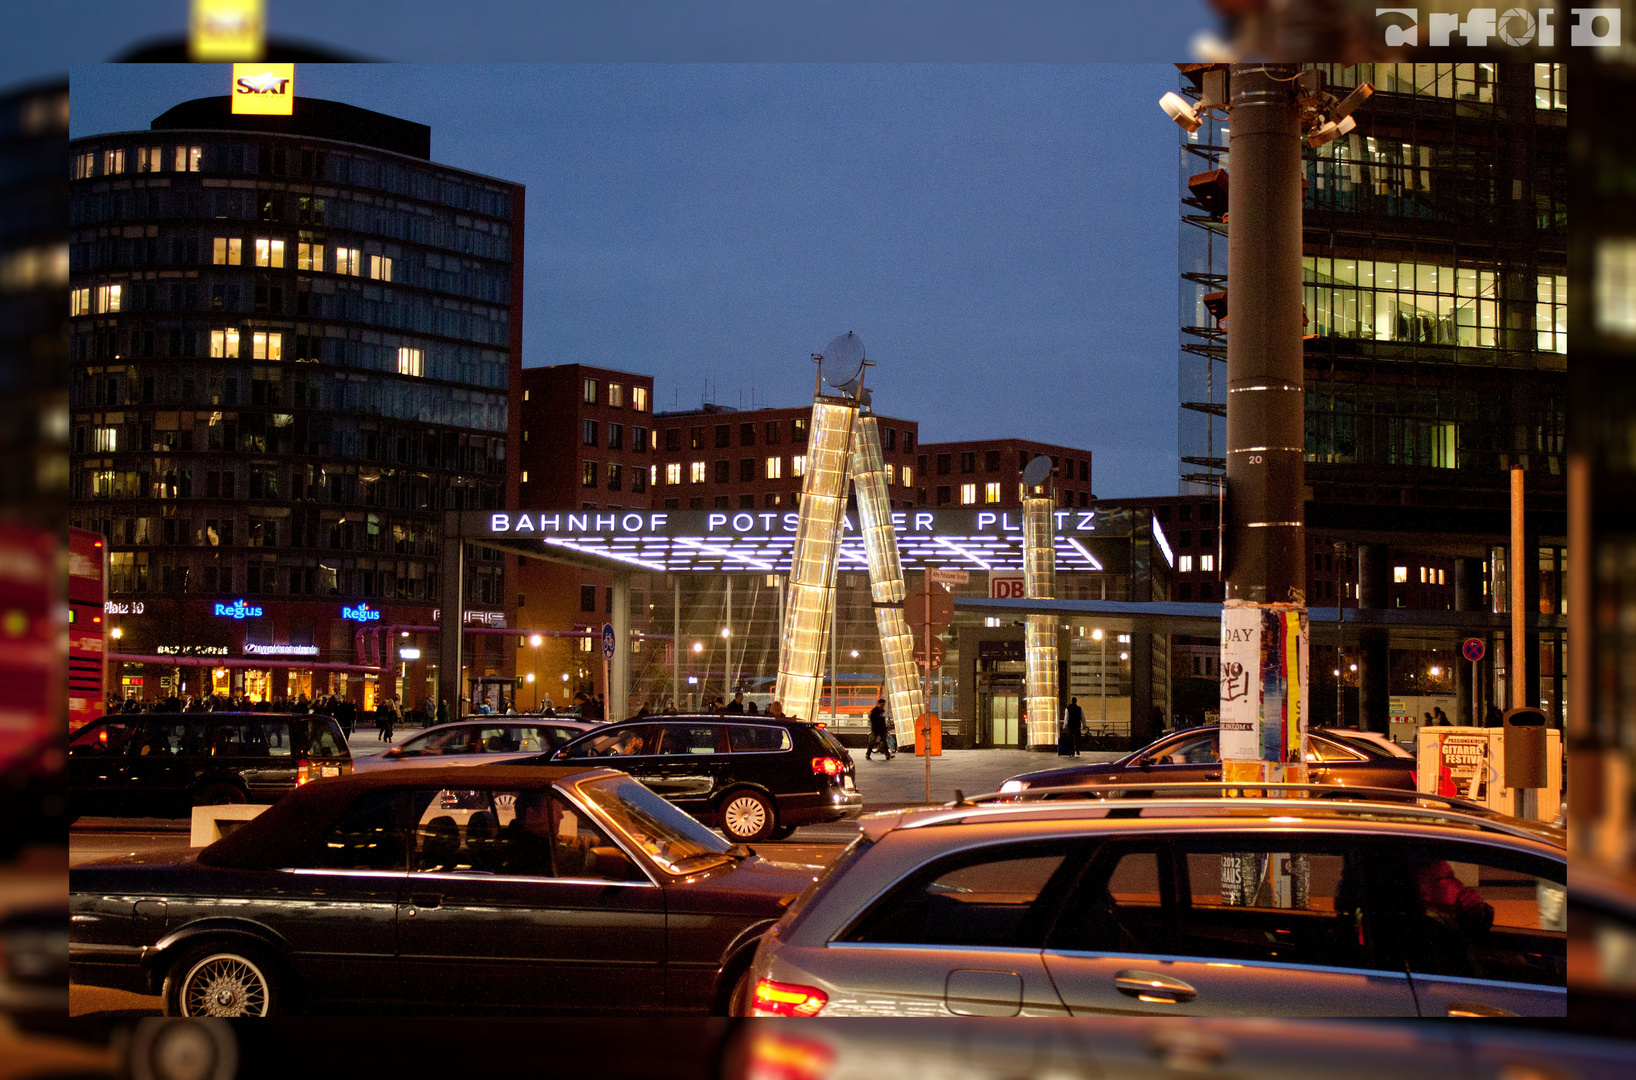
(987, 472)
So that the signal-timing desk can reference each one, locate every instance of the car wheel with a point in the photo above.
(221, 981)
(738, 1002)
(783, 832)
(747, 816)
(219, 794)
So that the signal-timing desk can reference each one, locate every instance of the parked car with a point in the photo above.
(34, 964)
(163, 764)
(1194, 754)
(1128, 1047)
(1367, 740)
(1340, 906)
(496, 888)
(756, 777)
(475, 742)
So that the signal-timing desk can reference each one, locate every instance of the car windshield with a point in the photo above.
(1367, 744)
(679, 844)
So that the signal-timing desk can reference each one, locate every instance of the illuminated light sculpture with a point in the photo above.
(905, 696)
(1040, 582)
(809, 608)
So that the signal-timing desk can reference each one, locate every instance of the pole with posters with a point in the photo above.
(1473, 649)
(609, 642)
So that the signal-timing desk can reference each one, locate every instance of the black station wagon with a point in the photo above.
(164, 764)
(756, 777)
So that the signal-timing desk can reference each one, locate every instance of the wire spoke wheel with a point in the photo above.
(223, 984)
(745, 816)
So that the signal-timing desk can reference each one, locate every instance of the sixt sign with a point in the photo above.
(1596, 27)
(264, 89)
(361, 613)
(238, 609)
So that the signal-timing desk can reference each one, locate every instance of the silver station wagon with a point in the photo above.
(1373, 904)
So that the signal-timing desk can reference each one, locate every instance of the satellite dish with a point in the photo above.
(841, 362)
(1037, 471)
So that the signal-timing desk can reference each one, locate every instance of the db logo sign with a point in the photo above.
(264, 89)
(1006, 585)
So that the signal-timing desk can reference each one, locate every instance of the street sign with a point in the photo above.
(939, 651)
(1473, 649)
(914, 607)
(949, 577)
(607, 641)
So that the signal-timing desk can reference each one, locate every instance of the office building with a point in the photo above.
(988, 473)
(295, 343)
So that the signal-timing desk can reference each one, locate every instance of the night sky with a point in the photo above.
(1002, 237)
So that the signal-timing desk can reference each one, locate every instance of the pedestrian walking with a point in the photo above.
(877, 732)
(1442, 717)
(385, 718)
(1068, 733)
(443, 711)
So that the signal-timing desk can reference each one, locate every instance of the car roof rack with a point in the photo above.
(1278, 796)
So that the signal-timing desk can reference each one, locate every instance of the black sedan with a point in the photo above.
(496, 888)
(1194, 755)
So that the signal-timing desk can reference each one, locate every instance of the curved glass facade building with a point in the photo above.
(294, 345)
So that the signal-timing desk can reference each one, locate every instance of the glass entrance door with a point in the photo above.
(999, 706)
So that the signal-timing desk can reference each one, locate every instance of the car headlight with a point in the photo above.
(1012, 786)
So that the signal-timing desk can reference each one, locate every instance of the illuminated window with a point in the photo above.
(908, 476)
(696, 472)
(673, 473)
(85, 165)
(380, 267)
(411, 361)
(1207, 563)
(269, 252)
(1400, 574)
(106, 440)
(616, 396)
(107, 298)
(226, 251)
(798, 465)
(639, 398)
(113, 161)
(187, 158)
(775, 468)
(266, 346)
(525, 476)
(1422, 575)
(79, 301)
(1550, 86)
(348, 261)
(968, 494)
(614, 476)
(150, 159)
(525, 398)
(653, 474)
(891, 474)
(588, 474)
(309, 257)
(590, 391)
(1551, 312)
(1616, 286)
(224, 343)
(1440, 580)
(991, 491)
(1184, 564)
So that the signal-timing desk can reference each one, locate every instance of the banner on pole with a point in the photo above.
(1264, 678)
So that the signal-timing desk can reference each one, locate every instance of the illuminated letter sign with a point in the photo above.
(238, 610)
(264, 89)
(361, 613)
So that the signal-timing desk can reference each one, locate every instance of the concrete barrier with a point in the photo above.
(207, 821)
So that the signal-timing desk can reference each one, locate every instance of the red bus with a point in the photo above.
(87, 627)
(30, 640)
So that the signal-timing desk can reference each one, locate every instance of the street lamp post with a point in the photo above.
(1102, 675)
(534, 642)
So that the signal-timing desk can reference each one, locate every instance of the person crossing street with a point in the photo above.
(877, 732)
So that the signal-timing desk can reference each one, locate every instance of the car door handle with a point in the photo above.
(425, 900)
(1473, 1008)
(1151, 986)
(1212, 776)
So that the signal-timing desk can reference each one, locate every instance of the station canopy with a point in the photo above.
(672, 541)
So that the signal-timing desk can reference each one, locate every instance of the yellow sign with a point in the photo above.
(223, 30)
(264, 89)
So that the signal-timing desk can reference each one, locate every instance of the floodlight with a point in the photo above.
(1210, 190)
(1216, 304)
(1329, 132)
(1350, 102)
(1177, 108)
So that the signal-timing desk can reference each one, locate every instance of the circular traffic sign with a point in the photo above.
(1473, 649)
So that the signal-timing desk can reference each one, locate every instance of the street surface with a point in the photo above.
(885, 785)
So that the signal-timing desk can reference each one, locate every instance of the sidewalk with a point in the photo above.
(902, 781)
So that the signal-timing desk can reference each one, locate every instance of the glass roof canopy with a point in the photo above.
(771, 554)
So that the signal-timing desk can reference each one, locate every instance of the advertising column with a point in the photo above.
(1264, 707)
(1039, 577)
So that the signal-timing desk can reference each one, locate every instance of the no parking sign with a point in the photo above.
(1473, 649)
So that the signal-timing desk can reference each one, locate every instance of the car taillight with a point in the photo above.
(827, 766)
(786, 999)
(778, 1057)
(303, 772)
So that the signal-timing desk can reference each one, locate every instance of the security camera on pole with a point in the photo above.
(1264, 633)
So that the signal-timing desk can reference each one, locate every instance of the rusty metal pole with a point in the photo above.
(1519, 596)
